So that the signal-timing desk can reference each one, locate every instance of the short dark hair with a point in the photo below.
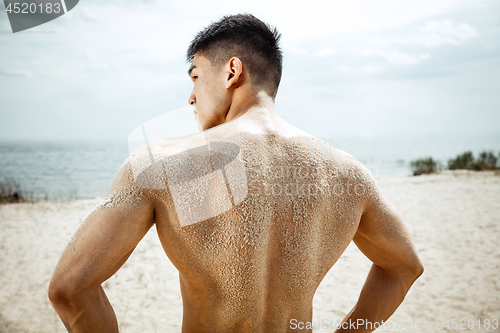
(248, 38)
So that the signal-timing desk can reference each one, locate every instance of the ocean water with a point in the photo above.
(65, 171)
(62, 171)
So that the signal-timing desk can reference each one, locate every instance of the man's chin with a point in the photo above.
(203, 126)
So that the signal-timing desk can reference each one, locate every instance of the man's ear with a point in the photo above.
(234, 72)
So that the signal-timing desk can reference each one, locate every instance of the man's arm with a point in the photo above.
(99, 248)
(385, 240)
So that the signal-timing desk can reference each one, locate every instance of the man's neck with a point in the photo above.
(259, 102)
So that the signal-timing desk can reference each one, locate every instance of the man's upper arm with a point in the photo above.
(382, 235)
(108, 235)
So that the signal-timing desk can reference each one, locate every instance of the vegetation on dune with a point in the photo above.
(487, 160)
(462, 161)
(10, 191)
(424, 165)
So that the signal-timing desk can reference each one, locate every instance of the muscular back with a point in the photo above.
(253, 218)
(253, 213)
(257, 265)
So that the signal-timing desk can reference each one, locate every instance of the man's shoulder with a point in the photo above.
(347, 168)
(338, 157)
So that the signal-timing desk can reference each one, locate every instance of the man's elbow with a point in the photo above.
(413, 272)
(419, 270)
(58, 294)
(407, 273)
(61, 291)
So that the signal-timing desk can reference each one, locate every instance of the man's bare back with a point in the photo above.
(252, 211)
(256, 267)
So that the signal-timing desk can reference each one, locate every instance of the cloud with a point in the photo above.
(393, 57)
(16, 73)
(371, 69)
(437, 33)
(325, 52)
(292, 48)
(433, 34)
(302, 21)
(425, 56)
(93, 61)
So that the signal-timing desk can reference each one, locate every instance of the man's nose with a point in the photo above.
(192, 100)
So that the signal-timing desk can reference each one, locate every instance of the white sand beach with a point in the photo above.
(453, 216)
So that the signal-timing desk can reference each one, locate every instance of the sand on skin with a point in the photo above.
(454, 218)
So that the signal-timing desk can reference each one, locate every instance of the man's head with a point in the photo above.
(234, 50)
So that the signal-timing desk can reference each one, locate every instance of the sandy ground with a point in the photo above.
(454, 218)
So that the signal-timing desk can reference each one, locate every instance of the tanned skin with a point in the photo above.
(255, 267)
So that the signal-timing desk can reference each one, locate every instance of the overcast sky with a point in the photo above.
(364, 69)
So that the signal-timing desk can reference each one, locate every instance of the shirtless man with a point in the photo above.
(255, 265)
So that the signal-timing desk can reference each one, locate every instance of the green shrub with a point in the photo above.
(10, 191)
(463, 161)
(486, 161)
(424, 165)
